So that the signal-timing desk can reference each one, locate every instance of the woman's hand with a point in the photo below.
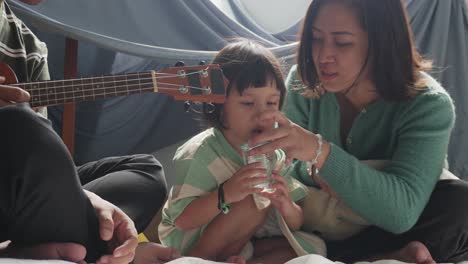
(242, 182)
(117, 229)
(295, 141)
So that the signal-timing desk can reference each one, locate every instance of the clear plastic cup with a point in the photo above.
(267, 162)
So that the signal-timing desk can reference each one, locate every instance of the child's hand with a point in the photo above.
(242, 182)
(280, 197)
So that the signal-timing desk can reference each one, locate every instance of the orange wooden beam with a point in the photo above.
(68, 117)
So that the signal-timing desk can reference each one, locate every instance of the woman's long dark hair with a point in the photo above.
(394, 60)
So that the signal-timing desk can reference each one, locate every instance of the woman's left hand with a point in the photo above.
(295, 141)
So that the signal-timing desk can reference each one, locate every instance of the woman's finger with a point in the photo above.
(275, 115)
(270, 147)
(270, 135)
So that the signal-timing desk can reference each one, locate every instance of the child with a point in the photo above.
(211, 176)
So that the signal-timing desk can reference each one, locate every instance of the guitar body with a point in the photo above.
(8, 73)
(201, 83)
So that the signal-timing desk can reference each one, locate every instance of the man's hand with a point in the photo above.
(116, 228)
(11, 95)
(153, 253)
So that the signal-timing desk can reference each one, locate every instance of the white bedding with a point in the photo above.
(309, 259)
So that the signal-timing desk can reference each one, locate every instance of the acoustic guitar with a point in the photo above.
(201, 83)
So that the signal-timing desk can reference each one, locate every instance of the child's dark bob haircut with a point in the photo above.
(246, 64)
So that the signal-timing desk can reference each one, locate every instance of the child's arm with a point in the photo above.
(202, 210)
(199, 212)
(291, 212)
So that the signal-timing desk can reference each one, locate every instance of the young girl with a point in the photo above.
(211, 212)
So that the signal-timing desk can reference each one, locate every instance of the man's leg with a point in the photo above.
(41, 199)
(135, 183)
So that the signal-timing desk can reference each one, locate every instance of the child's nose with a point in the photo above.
(261, 108)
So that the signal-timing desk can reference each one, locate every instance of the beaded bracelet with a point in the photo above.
(311, 164)
(222, 205)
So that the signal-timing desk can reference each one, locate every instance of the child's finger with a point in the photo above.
(251, 181)
(278, 178)
(281, 189)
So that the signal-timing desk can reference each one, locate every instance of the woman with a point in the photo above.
(357, 93)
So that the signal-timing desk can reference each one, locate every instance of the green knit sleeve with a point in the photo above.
(395, 197)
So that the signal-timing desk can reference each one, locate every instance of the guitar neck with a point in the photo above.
(47, 93)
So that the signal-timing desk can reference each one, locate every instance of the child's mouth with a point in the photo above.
(257, 131)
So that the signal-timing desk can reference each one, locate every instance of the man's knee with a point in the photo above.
(19, 118)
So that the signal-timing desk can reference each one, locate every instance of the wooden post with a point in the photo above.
(68, 117)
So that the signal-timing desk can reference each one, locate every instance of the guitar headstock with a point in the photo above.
(201, 83)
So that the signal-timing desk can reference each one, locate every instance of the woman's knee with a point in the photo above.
(450, 237)
(450, 198)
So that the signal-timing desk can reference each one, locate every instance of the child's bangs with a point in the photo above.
(254, 75)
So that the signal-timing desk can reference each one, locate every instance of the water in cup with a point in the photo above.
(267, 162)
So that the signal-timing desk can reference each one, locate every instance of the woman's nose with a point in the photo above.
(327, 54)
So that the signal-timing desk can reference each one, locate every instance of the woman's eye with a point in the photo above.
(317, 40)
(272, 103)
(247, 103)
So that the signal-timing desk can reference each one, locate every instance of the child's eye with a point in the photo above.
(247, 103)
(272, 103)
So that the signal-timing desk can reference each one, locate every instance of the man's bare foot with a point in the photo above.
(64, 251)
(413, 252)
(236, 260)
(154, 253)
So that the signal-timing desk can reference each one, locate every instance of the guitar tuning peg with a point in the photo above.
(179, 64)
(186, 106)
(202, 62)
(208, 108)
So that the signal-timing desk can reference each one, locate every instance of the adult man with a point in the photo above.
(44, 211)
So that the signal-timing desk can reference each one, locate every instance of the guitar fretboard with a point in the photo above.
(46, 93)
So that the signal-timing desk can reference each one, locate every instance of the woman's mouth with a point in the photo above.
(328, 76)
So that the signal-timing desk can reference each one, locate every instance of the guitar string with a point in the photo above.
(145, 87)
(38, 98)
(164, 76)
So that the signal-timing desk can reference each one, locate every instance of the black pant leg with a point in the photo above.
(134, 183)
(442, 227)
(41, 199)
